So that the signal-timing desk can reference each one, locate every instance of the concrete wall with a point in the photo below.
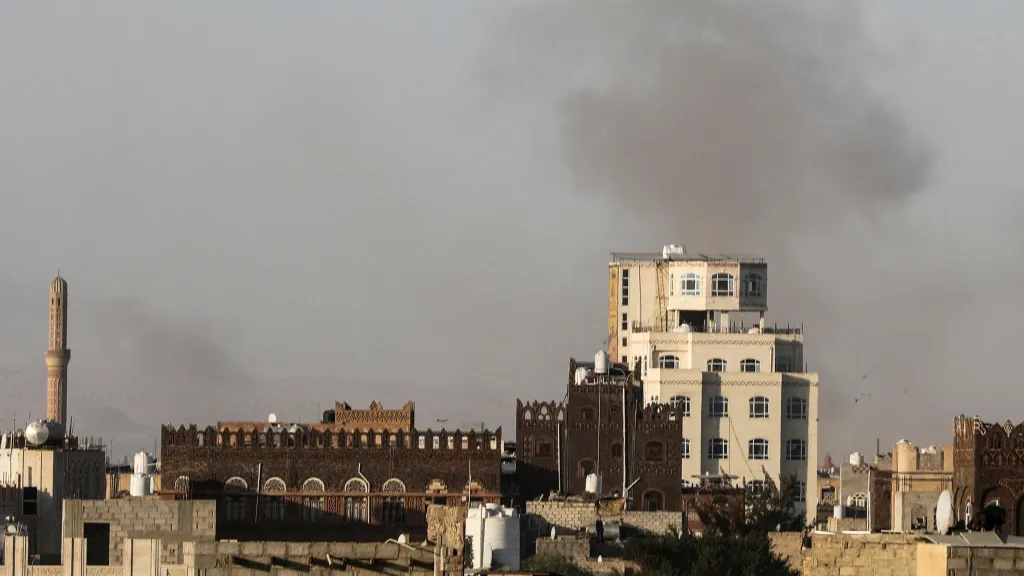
(172, 522)
(569, 517)
(234, 558)
(568, 546)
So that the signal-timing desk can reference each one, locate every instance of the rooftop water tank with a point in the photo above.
(601, 362)
(682, 328)
(42, 431)
(857, 459)
(592, 484)
(141, 485)
(143, 463)
(581, 375)
(492, 532)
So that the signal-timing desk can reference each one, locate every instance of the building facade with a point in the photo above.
(310, 483)
(988, 470)
(602, 427)
(749, 409)
(919, 476)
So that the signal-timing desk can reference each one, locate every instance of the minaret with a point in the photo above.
(58, 355)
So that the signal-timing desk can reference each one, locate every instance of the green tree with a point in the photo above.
(714, 553)
(773, 508)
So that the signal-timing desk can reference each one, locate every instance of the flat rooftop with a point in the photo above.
(660, 257)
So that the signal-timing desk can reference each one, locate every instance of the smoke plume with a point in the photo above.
(751, 127)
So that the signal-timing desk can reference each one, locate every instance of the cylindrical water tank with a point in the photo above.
(501, 539)
(601, 362)
(839, 511)
(140, 485)
(856, 459)
(143, 463)
(581, 375)
(905, 457)
(474, 536)
(592, 484)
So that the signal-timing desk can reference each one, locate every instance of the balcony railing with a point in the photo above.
(637, 327)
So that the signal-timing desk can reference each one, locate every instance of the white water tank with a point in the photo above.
(493, 534)
(839, 511)
(601, 362)
(581, 375)
(856, 459)
(592, 484)
(141, 485)
(143, 463)
(682, 328)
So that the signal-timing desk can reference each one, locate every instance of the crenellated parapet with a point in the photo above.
(297, 437)
(539, 414)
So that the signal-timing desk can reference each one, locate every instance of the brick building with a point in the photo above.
(327, 481)
(604, 427)
(988, 470)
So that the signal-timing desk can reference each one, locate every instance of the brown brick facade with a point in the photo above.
(988, 466)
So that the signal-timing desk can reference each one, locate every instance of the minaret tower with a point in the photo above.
(58, 355)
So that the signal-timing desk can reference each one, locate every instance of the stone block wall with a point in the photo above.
(171, 521)
(851, 554)
(569, 517)
(969, 561)
(654, 522)
(260, 558)
(567, 546)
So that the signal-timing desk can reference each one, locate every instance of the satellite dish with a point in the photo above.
(944, 512)
(272, 418)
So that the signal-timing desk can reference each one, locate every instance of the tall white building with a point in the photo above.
(695, 326)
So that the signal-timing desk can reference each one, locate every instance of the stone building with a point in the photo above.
(601, 427)
(988, 470)
(919, 476)
(695, 325)
(310, 481)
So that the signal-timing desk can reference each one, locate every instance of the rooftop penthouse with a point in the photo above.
(295, 436)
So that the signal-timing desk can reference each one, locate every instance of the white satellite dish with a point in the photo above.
(944, 512)
(272, 418)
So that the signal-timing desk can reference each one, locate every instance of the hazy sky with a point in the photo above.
(262, 206)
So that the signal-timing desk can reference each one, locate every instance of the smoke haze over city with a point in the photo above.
(265, 208)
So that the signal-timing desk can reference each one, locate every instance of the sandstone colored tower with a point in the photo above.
(57, 355)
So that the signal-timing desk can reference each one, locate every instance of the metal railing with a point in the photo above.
(741, 328)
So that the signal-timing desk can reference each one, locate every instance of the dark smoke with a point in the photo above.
(751, 127)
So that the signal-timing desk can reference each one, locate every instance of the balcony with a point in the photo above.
(741, 328)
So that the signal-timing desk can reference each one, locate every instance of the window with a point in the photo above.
(682, 403)
(668, 361)
(235, 509)
(274, 485)
(719, 407)
(716, 365)
(796, 409)
(617, 450)
(586, 413)
(758, 407)
(625, 341)
(828, 495)
(312, 506)
(996, 443)
(718, 449)
(753, 285)
(654, 452)
(801, 491)
(625, 360)
(653, 501)
(756, 487)
(782, 365)
(722, 285)
(860, 500)
(685, 449)
(236, 484)
(625, 322)
(796, 450)
(393, 507)
(586, 467)
(691, 285)
(625, 287)
(355, 506)
(750, 365)
(544, 449)
(757, 449)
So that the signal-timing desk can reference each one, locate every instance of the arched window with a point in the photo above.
(796, 449)
(782, 364)
(668, 361)
(750, 365)
(617, 451)
(312, 506)
(860, 500)
(654, 451)
(685, 449)
(718, 407)
(718, 449)
(586, 413)
(586, 467)
(691, 285)
(753, 285)
(758, 407)
(356, 506)
(757, 449)
(682, 404)
(654, 501)
(717, 365)
(828, 495)
(274, 485)
(996, 443)
(796, 409)
(273, 506)
(393, 505)
(236, 484)
(527, 415)
(182, 485)
(723, 285)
